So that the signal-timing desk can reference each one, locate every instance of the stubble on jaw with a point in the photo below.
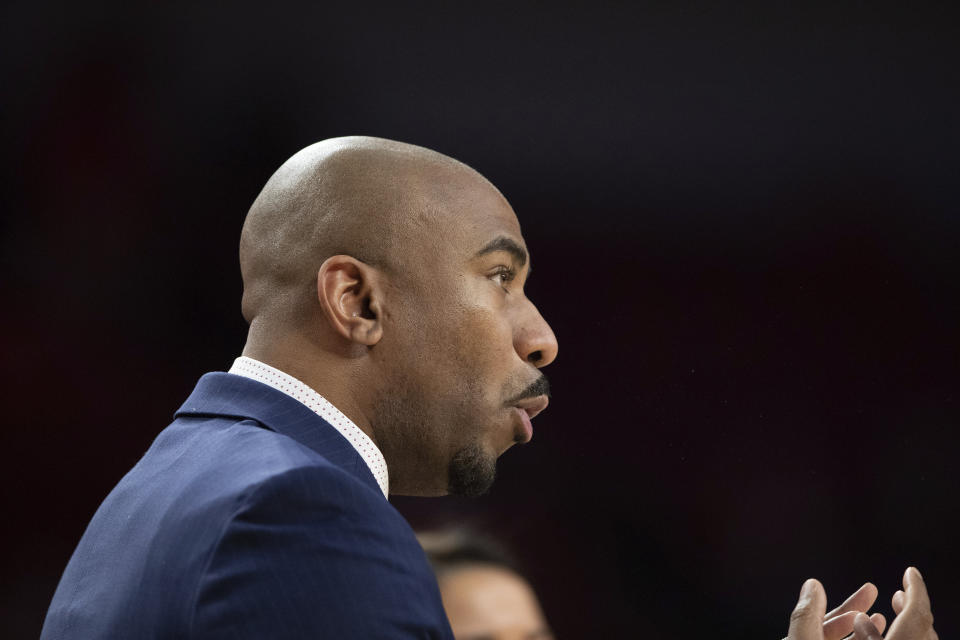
(471, 472)
(414, 428)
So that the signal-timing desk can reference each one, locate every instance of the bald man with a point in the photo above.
(391, 349)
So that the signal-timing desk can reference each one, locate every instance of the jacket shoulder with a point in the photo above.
(312, 552)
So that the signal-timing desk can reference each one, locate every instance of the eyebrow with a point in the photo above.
(503, 243)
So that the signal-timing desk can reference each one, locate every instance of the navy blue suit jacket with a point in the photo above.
(248, 517)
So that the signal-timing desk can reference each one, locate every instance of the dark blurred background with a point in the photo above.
(744, 221)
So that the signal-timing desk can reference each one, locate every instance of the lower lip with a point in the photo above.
(527, 425)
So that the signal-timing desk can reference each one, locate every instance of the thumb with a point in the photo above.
(806, 621)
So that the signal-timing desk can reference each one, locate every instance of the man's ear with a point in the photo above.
(350, 298)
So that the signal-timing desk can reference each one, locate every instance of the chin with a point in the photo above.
(471, 473)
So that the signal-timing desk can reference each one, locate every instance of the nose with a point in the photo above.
(533, 339)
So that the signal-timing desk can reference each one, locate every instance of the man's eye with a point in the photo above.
(503, 276)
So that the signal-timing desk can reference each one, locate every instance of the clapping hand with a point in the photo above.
(914, 620)
(809, 622)
(912, 607)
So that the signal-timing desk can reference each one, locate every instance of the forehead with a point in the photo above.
(489, 597)
(493, 592)
(474, 213)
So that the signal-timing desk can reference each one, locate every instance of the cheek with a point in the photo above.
(459, 337)
(484, 338)
(486, 353)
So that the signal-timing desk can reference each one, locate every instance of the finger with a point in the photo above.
(864, 632)
(879, 621)
(915, 619)
(915, 591)
(806, 621)
(839, 626)
(861, 600)
(864, 628)
(897, 601)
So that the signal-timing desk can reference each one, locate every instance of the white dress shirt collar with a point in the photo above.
(285, 383)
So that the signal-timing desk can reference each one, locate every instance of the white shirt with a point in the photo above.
(256, 370)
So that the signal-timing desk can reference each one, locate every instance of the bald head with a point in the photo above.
(365, 197)
(389, 278)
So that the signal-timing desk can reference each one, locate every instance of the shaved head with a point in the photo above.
(389, 278)
(369, 198)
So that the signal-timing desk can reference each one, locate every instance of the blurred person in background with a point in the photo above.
(484, 594)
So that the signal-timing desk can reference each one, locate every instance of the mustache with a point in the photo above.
(539, 387)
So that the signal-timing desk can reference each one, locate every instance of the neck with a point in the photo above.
(336, 378)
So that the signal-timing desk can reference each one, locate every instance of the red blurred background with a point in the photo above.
(745, 227)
